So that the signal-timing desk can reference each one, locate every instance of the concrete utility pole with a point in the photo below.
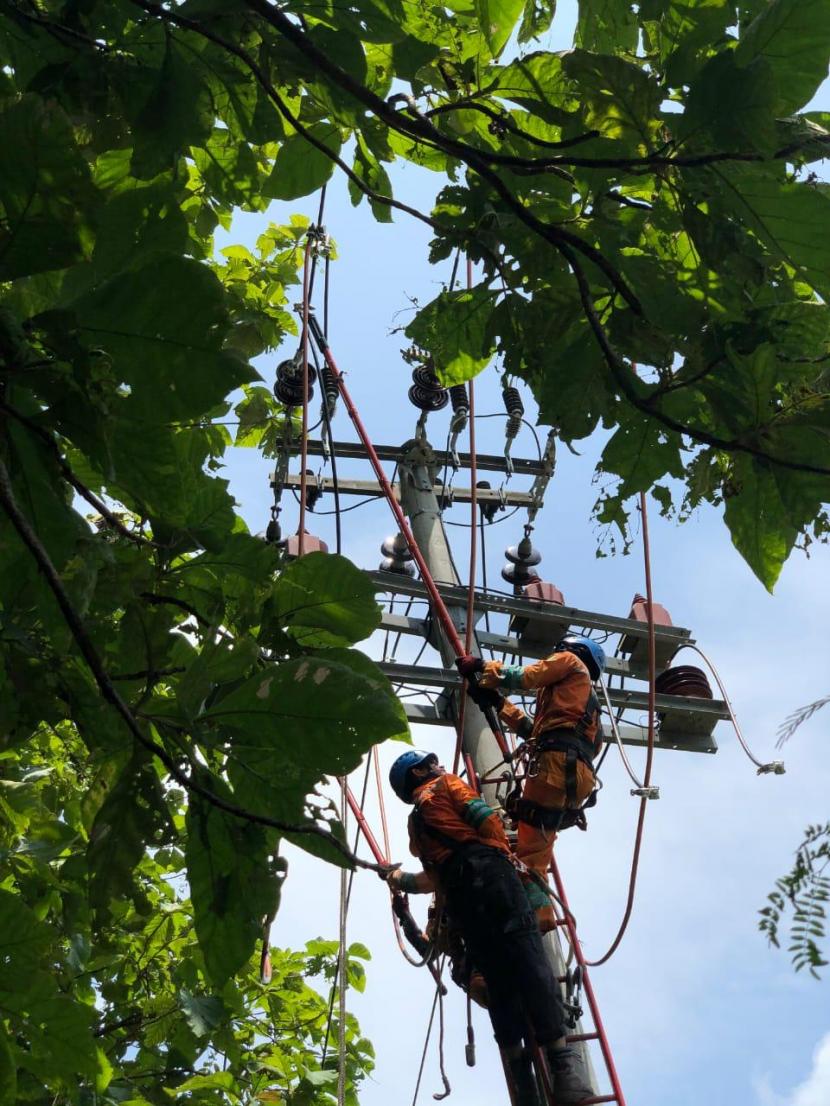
(417, 467)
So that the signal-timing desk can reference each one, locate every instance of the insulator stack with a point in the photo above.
(330, 391)
(684, 679)
(460, 402)
(521, 567)
(288, 387)
(427, 393)
(515, 411)
(396, 556)
(273, 531)
(636, 648)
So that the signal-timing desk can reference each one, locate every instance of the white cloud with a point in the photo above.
(814, 1091)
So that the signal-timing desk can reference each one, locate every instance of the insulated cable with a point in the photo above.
(342, 962)
(774, 767)
(640, 788)
(652, 694)
(304, 443)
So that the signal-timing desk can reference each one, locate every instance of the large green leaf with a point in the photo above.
(176, 112)
(751, 92)
(618, 98)
(45, 189)
(497, 19)
(758, 520)
(793, 36)
(300, 721)
(231, 885)
(323, 599)
(8, 1070)
(454, 329)
(606, 26)
(301, 168)
(167, 348)
(784, 215)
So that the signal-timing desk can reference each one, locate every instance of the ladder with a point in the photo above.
(565, 921)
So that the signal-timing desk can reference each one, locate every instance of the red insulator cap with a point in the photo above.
(311, 544)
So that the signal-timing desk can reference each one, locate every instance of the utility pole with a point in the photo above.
(418, 499)
(417, 467)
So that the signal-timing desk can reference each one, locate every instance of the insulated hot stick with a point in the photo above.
(441, 611)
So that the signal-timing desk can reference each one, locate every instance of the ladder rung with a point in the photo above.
(582, 1037)
(598, 1098)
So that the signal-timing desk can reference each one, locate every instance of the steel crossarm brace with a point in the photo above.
(347, 486)
(501, 643)
(522, 466)
(430, 714)
(518, 605)
(629, 700)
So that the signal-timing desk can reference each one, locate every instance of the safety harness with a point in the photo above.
(574, 743)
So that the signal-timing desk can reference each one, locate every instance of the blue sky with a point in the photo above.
(697, 1009)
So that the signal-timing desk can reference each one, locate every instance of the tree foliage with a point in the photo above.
(172, 695)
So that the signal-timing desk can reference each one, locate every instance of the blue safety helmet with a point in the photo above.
(589, 652)
(399, 772)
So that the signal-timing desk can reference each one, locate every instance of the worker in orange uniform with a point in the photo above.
(462, 845)
(562, 741)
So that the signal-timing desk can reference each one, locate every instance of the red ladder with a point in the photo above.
(568, 923)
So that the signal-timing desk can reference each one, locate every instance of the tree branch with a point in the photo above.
(83, 491)
(282, 107)
(111, 695)
(626, 381)
(421, 129)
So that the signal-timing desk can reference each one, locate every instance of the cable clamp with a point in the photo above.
(646, 792)
(774, 768)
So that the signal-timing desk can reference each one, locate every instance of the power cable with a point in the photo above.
(652, 674)
(304, 445)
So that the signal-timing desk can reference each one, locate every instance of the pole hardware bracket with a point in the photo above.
(646, 792)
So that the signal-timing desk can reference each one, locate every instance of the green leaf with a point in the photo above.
(453, 328)
(619, 99)
(758, 521)
(298, 722)
(751, 93)
(300, 168)
(606, 26)
(640, 453)
(323, 599)
(784, 215)
(45, 190)
(538, 83)
(231, 885)
(793, 36)
(8, 1070)
(176, 113)
(204, 1013)
(537, 18)
(167, 348)
(497, 19)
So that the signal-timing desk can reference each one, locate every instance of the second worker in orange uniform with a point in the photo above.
(562, 740)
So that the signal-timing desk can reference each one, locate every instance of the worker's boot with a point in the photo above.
(525, 1091)
(570, 1080)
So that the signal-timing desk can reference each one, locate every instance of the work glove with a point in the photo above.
(485, 697)
(468, 665)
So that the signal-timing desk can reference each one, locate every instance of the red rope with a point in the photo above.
(304, 445)
(652, 666)
(471, 594)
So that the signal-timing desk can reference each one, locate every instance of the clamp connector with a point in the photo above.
(646, 792)
(774, 768)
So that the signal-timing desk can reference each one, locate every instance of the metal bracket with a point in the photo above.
(774, 768)
(646, 792)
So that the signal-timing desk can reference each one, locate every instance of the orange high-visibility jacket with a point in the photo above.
(456, 811)
(563, 686)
